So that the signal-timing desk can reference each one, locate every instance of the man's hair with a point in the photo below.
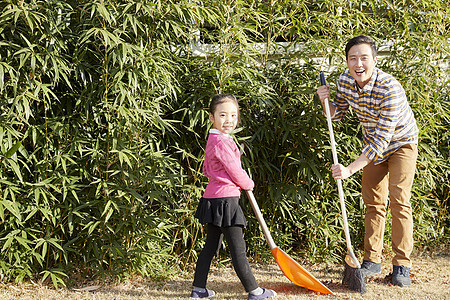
(358, 40)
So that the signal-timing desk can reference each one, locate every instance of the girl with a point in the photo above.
(219, 207)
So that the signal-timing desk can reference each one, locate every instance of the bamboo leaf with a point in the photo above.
(13, 149)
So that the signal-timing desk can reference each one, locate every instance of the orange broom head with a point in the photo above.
(297, 274)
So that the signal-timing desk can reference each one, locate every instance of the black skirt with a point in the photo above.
(221, 212)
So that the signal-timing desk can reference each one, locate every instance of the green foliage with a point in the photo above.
(85, 175)
(103, 126)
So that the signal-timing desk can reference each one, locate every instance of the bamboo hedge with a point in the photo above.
(103, 125)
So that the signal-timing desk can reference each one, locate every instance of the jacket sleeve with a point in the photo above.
(391, 108)
(230, 159)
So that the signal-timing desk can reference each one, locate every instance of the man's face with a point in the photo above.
(360, 63)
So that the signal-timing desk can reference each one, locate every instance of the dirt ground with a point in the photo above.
(430, 280)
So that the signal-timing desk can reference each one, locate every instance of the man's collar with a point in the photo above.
(368, 86)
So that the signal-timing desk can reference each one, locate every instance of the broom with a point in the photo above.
(353, 277)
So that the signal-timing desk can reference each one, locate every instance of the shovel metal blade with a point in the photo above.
(297, 274)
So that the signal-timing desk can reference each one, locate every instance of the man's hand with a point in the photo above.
(340, 172)
(324, 92)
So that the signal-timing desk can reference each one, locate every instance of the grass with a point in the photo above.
(430, 280)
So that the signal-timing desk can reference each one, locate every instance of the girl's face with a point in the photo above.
(225, 117)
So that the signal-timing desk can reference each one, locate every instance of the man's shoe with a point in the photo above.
(400, 276)
(369, 268)
(266, 294)
(206, 294)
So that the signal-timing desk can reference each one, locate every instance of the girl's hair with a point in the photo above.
(221, 98)
(361, 39)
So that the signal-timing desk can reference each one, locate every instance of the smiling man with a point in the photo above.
(389, 153)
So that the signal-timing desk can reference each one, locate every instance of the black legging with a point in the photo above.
(235, 240)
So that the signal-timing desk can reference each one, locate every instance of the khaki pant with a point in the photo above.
(394, 177)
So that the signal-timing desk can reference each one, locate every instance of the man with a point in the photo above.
(389, 153)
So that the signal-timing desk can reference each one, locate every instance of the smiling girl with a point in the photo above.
(219, 207)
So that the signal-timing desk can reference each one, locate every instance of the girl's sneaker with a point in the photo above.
(266, 294)
(206, 294)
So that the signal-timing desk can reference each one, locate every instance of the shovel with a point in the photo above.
(291, 269)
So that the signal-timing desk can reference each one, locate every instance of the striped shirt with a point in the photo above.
(383, 110)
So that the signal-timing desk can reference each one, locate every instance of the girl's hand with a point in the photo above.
(340, 172)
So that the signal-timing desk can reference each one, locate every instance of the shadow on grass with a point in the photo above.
(180, 288)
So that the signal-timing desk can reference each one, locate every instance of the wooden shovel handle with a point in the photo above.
(261, 221)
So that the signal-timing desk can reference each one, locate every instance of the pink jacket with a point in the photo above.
(223, 168)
